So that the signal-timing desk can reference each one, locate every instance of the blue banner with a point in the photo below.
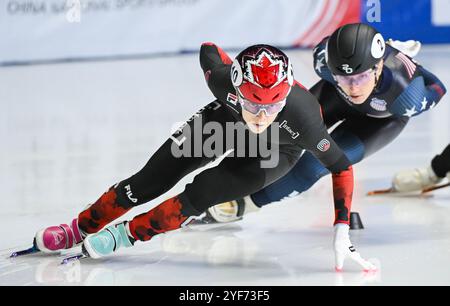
(425, 20)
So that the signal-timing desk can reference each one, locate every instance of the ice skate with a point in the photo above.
(415, 180)
(54, 239)
(419, 180)
(227, 212)
(438, 186)
(107, 241)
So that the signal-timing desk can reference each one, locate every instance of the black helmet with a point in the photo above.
(354, 48)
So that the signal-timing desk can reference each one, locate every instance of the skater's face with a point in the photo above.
(360, 87)
(258, 123)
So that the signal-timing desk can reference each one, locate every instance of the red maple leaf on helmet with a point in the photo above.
(265, 72)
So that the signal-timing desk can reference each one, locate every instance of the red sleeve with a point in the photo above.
(343, 193)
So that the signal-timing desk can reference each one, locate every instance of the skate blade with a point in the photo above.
(74, 258)
(435, 188)
(381, 192)
(29, 251)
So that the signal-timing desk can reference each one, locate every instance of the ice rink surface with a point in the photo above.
(69, 131)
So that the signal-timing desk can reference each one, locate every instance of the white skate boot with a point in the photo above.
(228, 212)
(418, 179)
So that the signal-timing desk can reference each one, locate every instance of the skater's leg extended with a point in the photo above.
(159, 175)
(233, 178)
(149, 183)
(137, 190)
(155, 179)
(170, 215)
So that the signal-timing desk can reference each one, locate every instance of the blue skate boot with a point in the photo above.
(107, 241)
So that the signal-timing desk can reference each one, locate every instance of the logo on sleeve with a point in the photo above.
(324, 145)
(233, 99)
(294, 134)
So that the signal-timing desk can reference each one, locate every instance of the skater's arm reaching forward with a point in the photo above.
(315, 138)
(330, 155)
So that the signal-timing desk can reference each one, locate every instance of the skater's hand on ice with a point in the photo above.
(343, 248)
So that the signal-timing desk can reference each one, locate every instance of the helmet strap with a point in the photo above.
(377, 79)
